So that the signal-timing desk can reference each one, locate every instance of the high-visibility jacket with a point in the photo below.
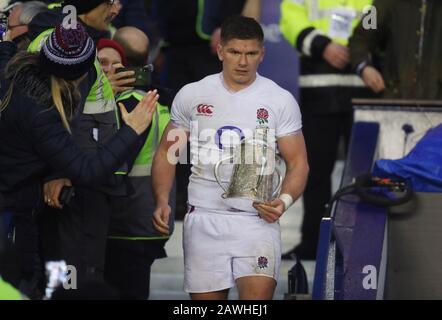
(160, 119)
(132, 215)
(101, 98)
(310, 25)
(8, 292)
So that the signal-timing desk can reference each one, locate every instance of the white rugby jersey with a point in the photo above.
(218, 119)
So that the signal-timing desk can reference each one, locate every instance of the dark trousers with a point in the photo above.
(24, 267)
(128, 264)
(77, 234)
(322, 134)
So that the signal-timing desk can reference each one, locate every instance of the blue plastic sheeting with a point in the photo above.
(422, 166)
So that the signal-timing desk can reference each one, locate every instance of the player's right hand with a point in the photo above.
(160, 219)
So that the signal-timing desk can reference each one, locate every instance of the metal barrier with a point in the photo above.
(352, 253)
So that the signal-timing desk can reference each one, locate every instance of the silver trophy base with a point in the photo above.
(242, 203)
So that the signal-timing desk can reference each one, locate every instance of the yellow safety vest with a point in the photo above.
(298, 15)
(324, 17)
(143, 163)
(8, 292)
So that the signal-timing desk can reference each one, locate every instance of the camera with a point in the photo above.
(143, 75)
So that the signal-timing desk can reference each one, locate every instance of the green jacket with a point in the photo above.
(8, 292)
(132, 215)
(408, 44)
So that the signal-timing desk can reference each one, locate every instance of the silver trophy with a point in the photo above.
(253, 175)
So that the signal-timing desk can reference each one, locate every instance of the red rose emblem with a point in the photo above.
(262, 113)
(262, 116)
(263, 262)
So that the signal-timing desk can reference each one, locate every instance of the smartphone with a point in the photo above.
(143, 75)
(66, 194)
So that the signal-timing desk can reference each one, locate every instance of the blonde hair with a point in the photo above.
(63, 92)
(58, 87)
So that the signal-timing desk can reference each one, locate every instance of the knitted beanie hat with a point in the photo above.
(83, 6)
(68, 53)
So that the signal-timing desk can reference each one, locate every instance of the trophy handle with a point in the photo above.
(263, 167)
(280, 178)
(278, 187)
(216, 172)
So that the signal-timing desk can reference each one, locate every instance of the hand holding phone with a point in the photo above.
(57, 192)
(66, 194)
(121, 81)
(142, 75)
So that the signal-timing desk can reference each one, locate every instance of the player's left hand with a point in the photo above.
(270, 212)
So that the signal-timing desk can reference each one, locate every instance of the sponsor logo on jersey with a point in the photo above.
(221, 130)
(205, 110)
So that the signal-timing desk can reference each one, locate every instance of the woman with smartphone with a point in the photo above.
(38, 97)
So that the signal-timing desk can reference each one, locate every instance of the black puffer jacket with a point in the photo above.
(8, 49)
(33, 142)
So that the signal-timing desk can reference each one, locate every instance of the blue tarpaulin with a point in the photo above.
(422, 166)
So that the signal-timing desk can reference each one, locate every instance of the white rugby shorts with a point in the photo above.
(220, 248)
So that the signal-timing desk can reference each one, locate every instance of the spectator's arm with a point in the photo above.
(54, 144)
(364, 41)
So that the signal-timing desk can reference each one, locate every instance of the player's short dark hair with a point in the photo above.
(240, 27)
